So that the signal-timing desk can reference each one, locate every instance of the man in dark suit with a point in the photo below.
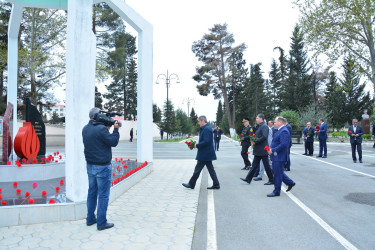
(260, 154)
(245, 142)
(205, 155)
(355, 133)
(217, 137)
(287, 163)
(373, 133)
(308, 135)
(322, 131)
(279, 155)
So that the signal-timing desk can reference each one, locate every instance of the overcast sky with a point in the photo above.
(261, 25)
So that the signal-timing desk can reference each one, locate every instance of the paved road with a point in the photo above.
(331, 207)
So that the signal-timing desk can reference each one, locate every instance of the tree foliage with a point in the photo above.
(337, 28)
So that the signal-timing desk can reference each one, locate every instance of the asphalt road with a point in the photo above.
(338, 205)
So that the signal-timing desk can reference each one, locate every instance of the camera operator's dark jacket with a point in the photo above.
(98, 142)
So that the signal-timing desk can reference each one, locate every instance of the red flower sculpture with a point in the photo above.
(51, 201)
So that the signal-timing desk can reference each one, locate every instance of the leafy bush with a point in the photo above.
(292, 117)
(366, 136)
(340, 134)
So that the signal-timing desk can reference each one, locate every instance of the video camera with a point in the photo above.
(104, 117)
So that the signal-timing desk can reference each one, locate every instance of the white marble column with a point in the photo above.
(13, 30)
(80, 93)
(145, 73)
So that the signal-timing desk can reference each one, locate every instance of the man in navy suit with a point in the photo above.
(287, 125)
(205, 155)
(217, 137)
(308, 135)
(355, 133)
(322, 138)
(279, 152)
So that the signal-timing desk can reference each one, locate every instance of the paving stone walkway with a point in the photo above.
(157, 213)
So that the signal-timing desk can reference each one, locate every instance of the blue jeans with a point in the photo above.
(99, 187)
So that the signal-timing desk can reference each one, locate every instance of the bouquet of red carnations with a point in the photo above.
(191, 144)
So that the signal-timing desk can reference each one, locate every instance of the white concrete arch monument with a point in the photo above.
(80, 79)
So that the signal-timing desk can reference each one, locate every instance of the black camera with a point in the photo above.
(104, 117)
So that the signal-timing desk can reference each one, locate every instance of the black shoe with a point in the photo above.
(324, 156)
(304, 154)
(269, 183)
(272, 195)
(290, 187)
(310, 155)
(248, 182)
(214, 187)
(108, 225)
(319, 156)
(246, 168)
(187, 185)
(90, 224)
(257, 179)
(354, 161)
(360, 161)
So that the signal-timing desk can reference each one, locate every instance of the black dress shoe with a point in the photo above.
(248, 182)
(257, 179)
(187, 185)
(319, 156)
(354, 161)
(90, 224)
(290, 187)
(269, 183)
(272, 195)
(108, 225)
(214, 187)
(310, 155)
(304, 154)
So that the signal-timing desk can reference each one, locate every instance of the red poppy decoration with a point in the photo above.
(15, 183)
(61, 182)
(44, 193)
(35, 184)
(57, 188)
(51, 201)
(18, 191)
(3, 203)
(27, 194)
(9, 163)
(31, 201)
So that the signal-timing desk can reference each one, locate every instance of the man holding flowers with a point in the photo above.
(205, 155)
(260, 154)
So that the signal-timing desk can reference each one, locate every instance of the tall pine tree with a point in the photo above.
(219, 113)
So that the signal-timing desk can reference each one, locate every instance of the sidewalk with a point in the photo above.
(157, 213)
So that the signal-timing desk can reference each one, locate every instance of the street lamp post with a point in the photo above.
(167, 79)
(188, 101)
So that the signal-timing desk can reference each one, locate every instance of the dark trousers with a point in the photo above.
(309, 146)
(131, 138)
(255, 166)
(198, 170)
(322, 147)
(357, 145)
(245, 156)
(216, 146)
(287, 163)
(280, 176)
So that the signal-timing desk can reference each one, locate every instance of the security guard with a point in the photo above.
(245, 142)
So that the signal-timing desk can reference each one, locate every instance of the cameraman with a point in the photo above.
(98, 153)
